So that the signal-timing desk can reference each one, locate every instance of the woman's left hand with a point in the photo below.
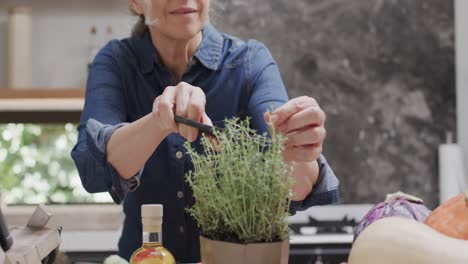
(302, 121)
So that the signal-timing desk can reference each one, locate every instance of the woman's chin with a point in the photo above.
(184, 32)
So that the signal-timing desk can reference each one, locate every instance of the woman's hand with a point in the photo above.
(183, 100)
(302, 121)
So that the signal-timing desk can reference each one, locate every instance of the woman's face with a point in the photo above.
(177, 19)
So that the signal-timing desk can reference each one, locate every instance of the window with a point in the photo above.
(36, 166)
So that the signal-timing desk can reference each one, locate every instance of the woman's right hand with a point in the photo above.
(183, 100)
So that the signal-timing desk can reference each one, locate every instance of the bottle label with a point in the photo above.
(151, 237)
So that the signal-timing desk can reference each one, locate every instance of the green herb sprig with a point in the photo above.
(241, 185)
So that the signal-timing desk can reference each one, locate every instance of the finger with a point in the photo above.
(156, 107)
(293, 106)
(267, 117)
(196, 109)
(306, 136)
(183, 92)
(206, 120)
(311, 116)
(182, 98)
(303, 153)
(214, 142)
(166, 105)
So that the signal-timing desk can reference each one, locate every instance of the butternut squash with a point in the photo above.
(451, 217)
(397, 240)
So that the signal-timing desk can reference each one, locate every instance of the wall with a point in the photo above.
(61, 33)
(383, 70)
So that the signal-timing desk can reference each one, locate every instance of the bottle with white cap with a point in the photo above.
(152, 250)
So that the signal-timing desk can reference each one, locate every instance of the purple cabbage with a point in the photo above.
(397, 204)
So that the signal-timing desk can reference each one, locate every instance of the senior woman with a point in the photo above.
(175, 62)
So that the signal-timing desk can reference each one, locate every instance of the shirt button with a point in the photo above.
(180, 195)
(181, 229)
(179, 154)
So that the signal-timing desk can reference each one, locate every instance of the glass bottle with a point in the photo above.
(152, 250)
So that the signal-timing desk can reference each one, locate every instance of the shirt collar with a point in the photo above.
(208, 53)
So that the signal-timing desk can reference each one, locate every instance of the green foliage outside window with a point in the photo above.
(36, 166)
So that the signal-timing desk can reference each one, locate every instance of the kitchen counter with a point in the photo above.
(97, 241)
(97, 232)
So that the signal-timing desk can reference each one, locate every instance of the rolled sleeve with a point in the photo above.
(104, 112)
(325, 190)
(98, 135)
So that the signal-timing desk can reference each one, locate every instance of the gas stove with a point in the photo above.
(324, 234)
(324, 227)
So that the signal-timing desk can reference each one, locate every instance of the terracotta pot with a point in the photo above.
(219, 252)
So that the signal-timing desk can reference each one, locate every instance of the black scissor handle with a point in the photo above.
(201, 127)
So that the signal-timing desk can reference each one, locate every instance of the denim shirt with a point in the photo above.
(239, 79)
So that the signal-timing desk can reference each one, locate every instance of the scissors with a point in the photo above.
(210, 130)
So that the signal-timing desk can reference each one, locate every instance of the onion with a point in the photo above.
(397, 204)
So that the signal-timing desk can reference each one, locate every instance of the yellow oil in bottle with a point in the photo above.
(152, 250)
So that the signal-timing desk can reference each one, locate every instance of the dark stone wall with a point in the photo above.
(383, 71)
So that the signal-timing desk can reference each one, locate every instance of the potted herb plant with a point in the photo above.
(242, 190)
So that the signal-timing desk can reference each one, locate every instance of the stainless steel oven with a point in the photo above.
(324, 234)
